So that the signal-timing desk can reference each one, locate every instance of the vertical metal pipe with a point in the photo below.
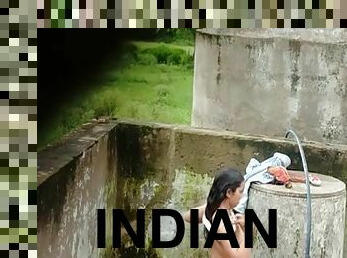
(308, 201)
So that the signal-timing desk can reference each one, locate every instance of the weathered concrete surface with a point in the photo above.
(69, 197)
(265, 81)
(131, 165)
(328, 217)
(208, 150)
(100, 166)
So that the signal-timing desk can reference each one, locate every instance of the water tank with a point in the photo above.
(264, 81)
(327, 225)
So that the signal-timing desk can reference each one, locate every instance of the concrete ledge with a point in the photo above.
(54, 158)
(310, 35)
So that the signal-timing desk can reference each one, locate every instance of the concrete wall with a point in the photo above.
(110, 166)
(266, 81)
(99, 167)
(69, 198)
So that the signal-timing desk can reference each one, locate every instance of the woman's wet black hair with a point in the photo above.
(223, 181)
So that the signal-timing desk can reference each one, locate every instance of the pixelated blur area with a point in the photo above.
(191, 14)
(18, 51)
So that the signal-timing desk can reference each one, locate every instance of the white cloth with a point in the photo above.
(257, 172)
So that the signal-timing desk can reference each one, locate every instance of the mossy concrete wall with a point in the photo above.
(265, 81)
(110, 166)
(101, 166)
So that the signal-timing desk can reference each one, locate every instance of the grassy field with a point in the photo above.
(154, 84)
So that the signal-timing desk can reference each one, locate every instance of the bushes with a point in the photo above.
(104, 105)
(159, 54)
(182, 36)
(165, 55)
(146, 59)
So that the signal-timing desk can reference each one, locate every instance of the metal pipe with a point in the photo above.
(308, 193)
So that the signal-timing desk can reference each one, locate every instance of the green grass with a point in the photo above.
(155, 84)
(153, 93)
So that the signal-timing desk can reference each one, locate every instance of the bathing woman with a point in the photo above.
(225, 193)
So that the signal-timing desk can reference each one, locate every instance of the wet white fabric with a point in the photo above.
(256, 172)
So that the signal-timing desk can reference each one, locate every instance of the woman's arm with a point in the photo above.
(186, 215)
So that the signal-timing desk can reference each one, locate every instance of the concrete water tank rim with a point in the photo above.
(330, 187)
(323, 36)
